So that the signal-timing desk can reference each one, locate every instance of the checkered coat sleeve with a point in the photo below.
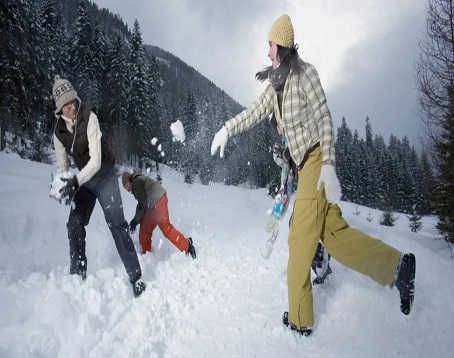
(304, 116)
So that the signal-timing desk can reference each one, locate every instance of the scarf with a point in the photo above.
(278, 76)
(277, 79)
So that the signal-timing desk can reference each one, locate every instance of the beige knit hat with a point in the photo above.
(63, 92)
(281, 32)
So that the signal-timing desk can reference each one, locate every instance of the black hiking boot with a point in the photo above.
(81, 273)
(304, 331)
(320, 264)
(405, 282)
(138, 288)
(320, 279)
(191, 249)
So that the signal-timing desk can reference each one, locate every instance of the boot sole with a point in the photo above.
(409, 293)
(304, 331)
(321, 279)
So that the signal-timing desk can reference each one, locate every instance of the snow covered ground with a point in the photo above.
(227, 303)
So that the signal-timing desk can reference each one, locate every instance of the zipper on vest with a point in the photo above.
(75, 128)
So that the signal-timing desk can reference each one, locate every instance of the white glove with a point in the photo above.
(332, 186)
(219, 141)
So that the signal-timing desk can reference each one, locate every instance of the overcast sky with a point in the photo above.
(364, 50)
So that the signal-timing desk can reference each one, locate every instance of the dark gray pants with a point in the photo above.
(104, 188)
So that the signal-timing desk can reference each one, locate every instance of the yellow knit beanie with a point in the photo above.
(281, 32)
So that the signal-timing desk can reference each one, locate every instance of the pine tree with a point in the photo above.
(369, 216)
(373, 173)
(415, 222)
(392, 173)
(230, 167)
(35, 75)
(406, 179)
(138, 103)
(101, 71)
(355, 168)
(344, 160)
(191, 152)
(259, 158)
(206, 161)
(116, 80)
(417, 195)
(54, 45)
(83, 60)
(388, 218)
(380, 155)
(357, 211)
(425, 205)
(39, 148)
(13, 66)
(189, 116)
(363, 181)
(153, 105)
(188, 178)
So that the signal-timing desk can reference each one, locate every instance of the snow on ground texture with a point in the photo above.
(227, 303)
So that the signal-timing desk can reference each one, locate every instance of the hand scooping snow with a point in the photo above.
(57, 184)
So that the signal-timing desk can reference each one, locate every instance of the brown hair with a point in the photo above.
(126, 177)
(287, 57)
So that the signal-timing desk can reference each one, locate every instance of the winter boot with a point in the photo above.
(405, 282)
(191, 249)
(320, 279)
(81, 273)
(78, 267)
(304, 331)
(320, 264)
(138, 288)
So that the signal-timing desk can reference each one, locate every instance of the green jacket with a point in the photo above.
(305, 118)
(147, 192)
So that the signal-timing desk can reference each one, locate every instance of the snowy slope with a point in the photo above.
(227, 303)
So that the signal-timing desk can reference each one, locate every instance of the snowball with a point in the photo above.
(177, 131)
(57, 184)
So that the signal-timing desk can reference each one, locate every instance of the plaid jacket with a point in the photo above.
(305, 118)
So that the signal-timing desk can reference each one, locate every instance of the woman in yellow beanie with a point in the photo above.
(296, 97)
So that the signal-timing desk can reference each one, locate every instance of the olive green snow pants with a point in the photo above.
(315, 218)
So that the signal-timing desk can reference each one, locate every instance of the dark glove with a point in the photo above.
(132, 226)
(68, 191)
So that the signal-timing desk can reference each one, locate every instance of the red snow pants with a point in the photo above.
(159, 216)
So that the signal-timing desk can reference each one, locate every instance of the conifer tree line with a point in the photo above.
(382, 176)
